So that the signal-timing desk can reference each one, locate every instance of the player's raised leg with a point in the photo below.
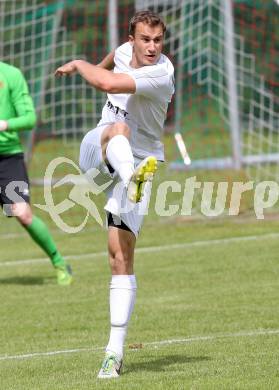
(117, 150)
(118, 154)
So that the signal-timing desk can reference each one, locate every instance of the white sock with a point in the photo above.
(120, 157)
(122, 298)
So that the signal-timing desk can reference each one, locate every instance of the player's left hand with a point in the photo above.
(67, 69)
(3, 125)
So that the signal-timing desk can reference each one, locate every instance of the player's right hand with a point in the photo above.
(67, 69)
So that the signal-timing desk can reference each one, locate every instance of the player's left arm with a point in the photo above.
(108, 61)
(98, 77)
(25, 118)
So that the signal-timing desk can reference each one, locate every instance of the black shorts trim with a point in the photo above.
(120, 225)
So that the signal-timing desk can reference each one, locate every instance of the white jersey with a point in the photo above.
(145, 110)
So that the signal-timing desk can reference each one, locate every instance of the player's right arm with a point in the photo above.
(99, 77)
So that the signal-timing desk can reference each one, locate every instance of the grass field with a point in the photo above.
(206, 311)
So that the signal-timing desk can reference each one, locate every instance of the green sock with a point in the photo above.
(41, 235)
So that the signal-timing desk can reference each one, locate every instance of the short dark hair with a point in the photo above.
(147, 17)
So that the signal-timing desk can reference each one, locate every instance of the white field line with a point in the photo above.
(148, 249)
(53, 231)
(154, 344)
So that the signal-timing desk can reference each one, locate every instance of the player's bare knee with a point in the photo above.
(25, 219)
(23, 213)
(120, 128)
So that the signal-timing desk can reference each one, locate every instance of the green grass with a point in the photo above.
(217, 299)
(212, 290)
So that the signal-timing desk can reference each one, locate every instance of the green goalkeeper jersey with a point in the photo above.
(16, 108)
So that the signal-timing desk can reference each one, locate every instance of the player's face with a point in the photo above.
(147, 44)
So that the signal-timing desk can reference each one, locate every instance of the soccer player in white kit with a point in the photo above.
(124, 148)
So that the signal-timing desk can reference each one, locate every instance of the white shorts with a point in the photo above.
(95, 169)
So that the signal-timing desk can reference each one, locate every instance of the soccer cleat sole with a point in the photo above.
(143, 173)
